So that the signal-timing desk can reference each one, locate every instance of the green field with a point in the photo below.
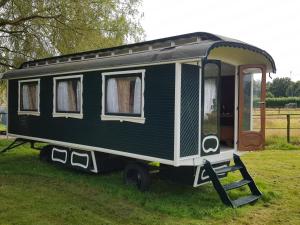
(33, 192)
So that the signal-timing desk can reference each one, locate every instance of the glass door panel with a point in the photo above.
(252, 107)
(210, 108)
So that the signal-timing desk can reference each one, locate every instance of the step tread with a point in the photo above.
(236, 184)
(227, 169)
(245, 200)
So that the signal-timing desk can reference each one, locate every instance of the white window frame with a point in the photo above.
(28, 112)
(67, 114)
(134, 119)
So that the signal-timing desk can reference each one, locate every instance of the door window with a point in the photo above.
(252, 99)
(211, 101)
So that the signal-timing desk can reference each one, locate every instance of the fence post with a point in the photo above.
(288, 125)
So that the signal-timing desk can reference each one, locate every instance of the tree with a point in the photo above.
(279, 86)
(294, 89)
(43, 28)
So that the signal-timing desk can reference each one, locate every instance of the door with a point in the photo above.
(252, 94)
(210, 126)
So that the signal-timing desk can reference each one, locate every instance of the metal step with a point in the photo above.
(244, 200)
(236, 184)
(227, 169)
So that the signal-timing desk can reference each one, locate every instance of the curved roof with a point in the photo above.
(183, 47)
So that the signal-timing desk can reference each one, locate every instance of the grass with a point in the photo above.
(33, 192)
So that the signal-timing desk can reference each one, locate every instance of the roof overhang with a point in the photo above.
(240, 54)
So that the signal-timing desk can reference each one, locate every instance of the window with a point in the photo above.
(29, 97)
(211, 101)
(123, 96)
(67, 96)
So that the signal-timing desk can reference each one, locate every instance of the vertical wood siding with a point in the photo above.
(189, 125)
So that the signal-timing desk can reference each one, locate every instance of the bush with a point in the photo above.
(281, 101)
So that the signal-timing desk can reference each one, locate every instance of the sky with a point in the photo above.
(272, 25)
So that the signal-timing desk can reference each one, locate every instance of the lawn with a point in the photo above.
(34, 192)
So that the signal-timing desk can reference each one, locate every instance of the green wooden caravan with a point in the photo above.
(190, 102)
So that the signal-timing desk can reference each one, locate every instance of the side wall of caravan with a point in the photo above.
(155, 138)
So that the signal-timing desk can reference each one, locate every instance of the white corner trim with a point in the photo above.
(67, 114)
(24, 112)
(236, 104)
(200, 109)
(80, 155)
(134, 119)
(95, 169)
(177, 113)
(197, 176)
(123, 118)
(58, 159)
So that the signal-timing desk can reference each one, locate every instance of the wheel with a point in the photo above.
(138, 175)
(45, 153)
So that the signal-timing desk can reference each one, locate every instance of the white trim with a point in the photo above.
(22, 112)
(80, 155)
(95, 169)
(123, 118)
(251, 103)
(57, 159)
(123, 72)
(108, 68)
(177, 114)
(189, 157)
(97, 149)
(196, 176)
(202, 175)
(200, 108)
(68, 115)
(210, 149)
(199, 131)
(236, 105)
(134, 119)
(103, 96)
(216, 158)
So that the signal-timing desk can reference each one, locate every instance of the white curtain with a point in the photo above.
(25, 97)
(78, 96)
(62, 96)
(112, 96)
(210, 94)
(137, 96)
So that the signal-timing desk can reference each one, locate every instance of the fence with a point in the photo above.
(282, 122)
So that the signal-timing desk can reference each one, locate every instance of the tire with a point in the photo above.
(138, 175)
(45, 153)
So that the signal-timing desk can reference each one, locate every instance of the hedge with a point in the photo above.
(281, 102)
